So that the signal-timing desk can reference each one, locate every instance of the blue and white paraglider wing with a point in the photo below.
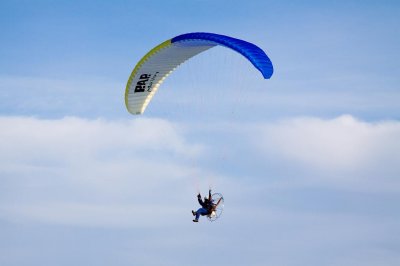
(158, 63)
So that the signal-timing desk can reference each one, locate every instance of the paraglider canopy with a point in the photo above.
(159, 62)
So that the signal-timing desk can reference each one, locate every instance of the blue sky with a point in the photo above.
(307, 161)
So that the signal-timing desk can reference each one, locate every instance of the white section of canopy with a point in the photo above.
(159, 66)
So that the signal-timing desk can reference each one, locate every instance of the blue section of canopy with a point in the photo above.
(252, 52)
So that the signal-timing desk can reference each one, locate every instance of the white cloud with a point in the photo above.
(87, 169)
(76, 171)
(75, 137)
(343, 142)
(344, 149)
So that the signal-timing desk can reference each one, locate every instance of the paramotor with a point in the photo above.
(218, 206)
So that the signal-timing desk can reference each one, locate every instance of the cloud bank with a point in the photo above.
(344, 149)
(76, 171)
